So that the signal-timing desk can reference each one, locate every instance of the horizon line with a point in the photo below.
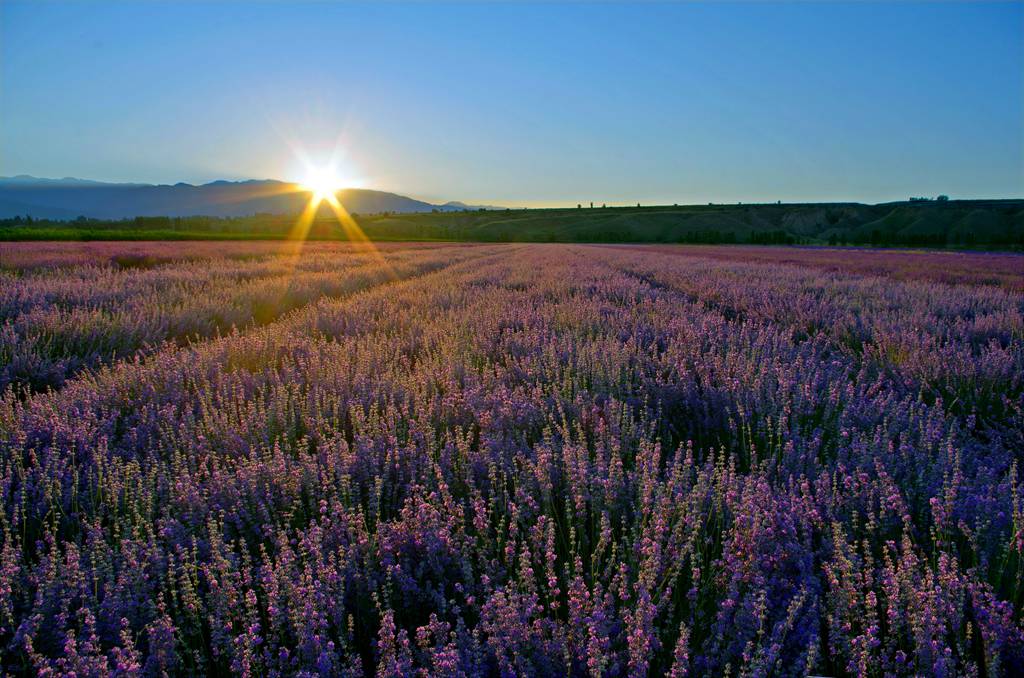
(490, 203)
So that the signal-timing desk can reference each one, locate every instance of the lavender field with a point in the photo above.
(509, 460)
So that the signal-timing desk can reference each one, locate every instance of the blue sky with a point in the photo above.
(525, 103)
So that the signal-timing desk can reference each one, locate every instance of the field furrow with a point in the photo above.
(57, 323)
(535, 460)
(961, 345)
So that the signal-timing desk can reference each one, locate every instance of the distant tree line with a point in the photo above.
(708, 237)
(999, 226)
(956, 239)
(778, 237)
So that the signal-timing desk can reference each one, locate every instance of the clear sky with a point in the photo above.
(525, 103)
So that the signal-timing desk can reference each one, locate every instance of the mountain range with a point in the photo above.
(69, 198)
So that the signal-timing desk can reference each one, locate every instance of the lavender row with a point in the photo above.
(55, 323)
(539, 461)
(961, 344)
(29, 256)
(999, 269)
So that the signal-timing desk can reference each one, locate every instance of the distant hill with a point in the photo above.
(458, 206)
(983, 223)
(69, 198)
(267, 209)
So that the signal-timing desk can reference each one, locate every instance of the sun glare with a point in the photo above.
(323, 182)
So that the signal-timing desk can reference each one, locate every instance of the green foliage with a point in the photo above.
(933, 223)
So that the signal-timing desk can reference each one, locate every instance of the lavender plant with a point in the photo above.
(514, 460)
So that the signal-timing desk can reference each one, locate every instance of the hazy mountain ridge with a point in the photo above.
(389, 216)
(69, 197)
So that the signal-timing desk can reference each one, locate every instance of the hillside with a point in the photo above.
(955, 223)
(70, 198)
(993, 222)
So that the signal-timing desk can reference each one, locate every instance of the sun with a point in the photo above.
(323, 182)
